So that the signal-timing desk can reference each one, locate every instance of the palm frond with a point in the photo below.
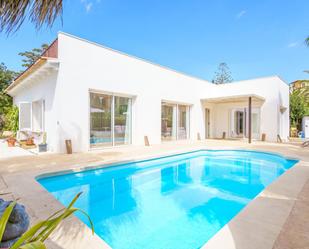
(42, 230)
(5, 217)
(13, 13)
(34, 245)
(307, 41)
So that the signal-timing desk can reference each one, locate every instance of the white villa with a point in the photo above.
(98, 97)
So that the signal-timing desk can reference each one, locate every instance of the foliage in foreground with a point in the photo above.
(13, 13)
(35, 237)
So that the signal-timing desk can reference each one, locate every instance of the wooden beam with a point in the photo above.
(250, 120)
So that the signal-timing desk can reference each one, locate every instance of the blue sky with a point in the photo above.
(255, 38)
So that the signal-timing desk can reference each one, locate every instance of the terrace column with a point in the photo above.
(249, 120)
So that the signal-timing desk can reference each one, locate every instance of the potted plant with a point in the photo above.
(43, 145)
(29, 141)
(11, 141)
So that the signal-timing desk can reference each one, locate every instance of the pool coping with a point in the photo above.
(124, 162)
(34, 193)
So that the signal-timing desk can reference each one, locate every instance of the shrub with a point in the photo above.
(11, 119)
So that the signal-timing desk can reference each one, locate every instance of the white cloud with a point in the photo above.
(293, 44)
(88, 6)
(241, 14)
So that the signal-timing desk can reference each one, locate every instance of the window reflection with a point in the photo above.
(174, 121)
(100, 119)
(110, 120)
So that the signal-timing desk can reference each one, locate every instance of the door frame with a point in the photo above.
(207, 123)
(232, 128)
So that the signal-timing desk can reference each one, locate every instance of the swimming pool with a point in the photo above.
(178, 201)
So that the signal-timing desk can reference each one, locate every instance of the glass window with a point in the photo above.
(183, 121)
(255, 123)
(168, 122)
(122, 123)
(37, 115)
(25, 116)
(239, 122)
(174, 121)
(100, 119)
(110, 120)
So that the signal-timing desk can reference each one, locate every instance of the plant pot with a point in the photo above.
(42, 147)
(11, 142)
(29, 141)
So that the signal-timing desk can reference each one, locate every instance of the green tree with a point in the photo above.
(14, 12)
(29, 57)
(6, 77)
(11, 119)
(223, 74)
(299, 108)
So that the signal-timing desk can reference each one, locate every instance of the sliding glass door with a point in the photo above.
(122, 120)
(239, 122)
(168, 121)
(183, 121)
(110, 120)
(100, 119)
(255, 119)
(174, 121)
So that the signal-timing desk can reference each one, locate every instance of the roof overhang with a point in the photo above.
(235, 99)
(42, 67)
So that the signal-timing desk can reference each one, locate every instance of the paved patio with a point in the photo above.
(11, 152)
(277, 218)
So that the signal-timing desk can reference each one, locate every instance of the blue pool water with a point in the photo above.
(176, 202)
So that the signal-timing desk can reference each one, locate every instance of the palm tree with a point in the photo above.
(40, 12)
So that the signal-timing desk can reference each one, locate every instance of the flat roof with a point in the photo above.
(234, 98)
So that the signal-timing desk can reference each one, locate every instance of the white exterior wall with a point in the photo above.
(275, 92)
(222, 117)
(43, 90)
(283, 118)
(85, 65)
